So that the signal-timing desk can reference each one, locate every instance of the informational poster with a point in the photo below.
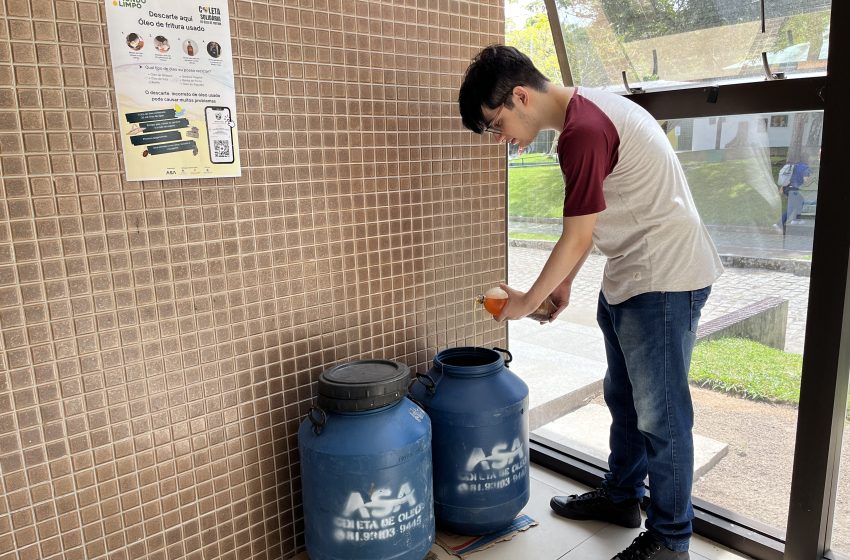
(173, 73)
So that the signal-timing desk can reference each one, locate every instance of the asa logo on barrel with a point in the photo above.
(500, 457)
(498, 470)
(380, 518)
(379, 505)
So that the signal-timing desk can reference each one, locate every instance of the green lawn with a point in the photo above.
(722, 190)
(724, 196)
(526, 159)
(532, 236)
(536, 191)
(747, 369)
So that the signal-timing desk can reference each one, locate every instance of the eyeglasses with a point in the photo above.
(489, 127)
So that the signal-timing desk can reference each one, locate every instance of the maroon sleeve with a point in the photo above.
(587, 151)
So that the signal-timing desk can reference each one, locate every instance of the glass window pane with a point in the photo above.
(527, 28)
(841, 523)
(745, 377)
(666, 43)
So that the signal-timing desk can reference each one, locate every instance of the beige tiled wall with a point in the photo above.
(160, 340)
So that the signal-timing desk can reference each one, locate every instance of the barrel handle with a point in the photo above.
(430, 386)
(510, 357)
(410, 394)
(319, 424)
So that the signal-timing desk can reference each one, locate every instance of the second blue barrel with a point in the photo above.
(479, 421)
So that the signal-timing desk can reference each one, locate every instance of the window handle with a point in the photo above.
(769, 75)
(630, 89)
(767, 72)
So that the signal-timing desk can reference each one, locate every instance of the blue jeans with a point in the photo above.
(648, 342)
(795, 206)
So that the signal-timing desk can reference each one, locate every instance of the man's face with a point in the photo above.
(510, 124)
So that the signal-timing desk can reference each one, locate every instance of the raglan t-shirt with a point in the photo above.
(618, 163)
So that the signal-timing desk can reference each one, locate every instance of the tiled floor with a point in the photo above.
(555, 538)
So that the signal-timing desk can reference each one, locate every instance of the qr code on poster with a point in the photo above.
(221, 149)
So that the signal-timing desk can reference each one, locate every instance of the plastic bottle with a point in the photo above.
(495, 299)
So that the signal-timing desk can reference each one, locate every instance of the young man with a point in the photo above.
(627, 194)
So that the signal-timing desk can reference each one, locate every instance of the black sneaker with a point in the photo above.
(597, 505)
(647, 547)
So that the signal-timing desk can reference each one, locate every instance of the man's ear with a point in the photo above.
(521, 94)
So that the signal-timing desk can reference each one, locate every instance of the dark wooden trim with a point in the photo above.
(558, 41)
(774, 96)
(740, 537)
(568, 462)
(826, 353)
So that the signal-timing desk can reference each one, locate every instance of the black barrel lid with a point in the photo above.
(363, 385)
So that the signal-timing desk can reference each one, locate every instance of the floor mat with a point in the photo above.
(463, 545)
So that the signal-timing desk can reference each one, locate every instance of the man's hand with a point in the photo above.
(517, 306)
(560, 269)
(561, 297)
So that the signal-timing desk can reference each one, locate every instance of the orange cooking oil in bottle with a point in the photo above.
(495, 299)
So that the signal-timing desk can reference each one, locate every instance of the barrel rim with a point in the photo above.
(495, 365)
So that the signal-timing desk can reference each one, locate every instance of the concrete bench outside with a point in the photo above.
(763, 321)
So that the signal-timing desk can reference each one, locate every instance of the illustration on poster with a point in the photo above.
(161, 44)
(190, 47)
(135, 42)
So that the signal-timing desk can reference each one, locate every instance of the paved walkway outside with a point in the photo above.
(736, 288)
(745, 241)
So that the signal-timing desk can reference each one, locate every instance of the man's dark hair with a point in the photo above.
(490, 80)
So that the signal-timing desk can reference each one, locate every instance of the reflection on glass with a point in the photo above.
(745, 377)
(754, 179)
(667, 42)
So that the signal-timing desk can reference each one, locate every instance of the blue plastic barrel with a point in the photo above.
(479, 416)
(366, 467)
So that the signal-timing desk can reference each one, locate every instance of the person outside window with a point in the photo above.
(625, 193)
(800, 172)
